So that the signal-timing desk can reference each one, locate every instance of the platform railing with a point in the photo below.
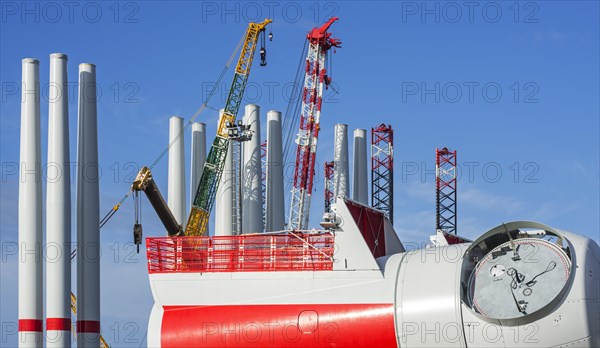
(245, 253)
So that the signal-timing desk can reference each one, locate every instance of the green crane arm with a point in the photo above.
(215, 161)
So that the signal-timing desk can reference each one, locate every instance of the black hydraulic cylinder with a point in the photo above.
(162, 209)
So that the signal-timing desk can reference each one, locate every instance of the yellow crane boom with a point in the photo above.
(215, 161)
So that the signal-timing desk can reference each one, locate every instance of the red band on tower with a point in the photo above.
(32, 325)
(88, 326)
(58, 324)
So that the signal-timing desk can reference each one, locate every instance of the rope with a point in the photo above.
(290, 123)
(516, 277)
(286, 232)
(113, 210)
(310, 245)
(550, 267)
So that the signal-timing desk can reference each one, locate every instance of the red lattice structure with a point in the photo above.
(243, 253)
(445, 190)
(329, 169)
(382, 169)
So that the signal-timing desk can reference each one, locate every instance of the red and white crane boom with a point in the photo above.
(320, 42)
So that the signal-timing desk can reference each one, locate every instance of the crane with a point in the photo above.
(320, 41)
(215, 161)
(145, 182)
(213, 167)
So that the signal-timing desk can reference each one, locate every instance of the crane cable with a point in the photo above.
(202, 107)
(293, 109)
(289, 124)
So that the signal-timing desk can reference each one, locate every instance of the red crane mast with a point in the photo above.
(320, 42)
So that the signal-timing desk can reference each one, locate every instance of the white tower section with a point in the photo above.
(198, 157)
(30, 209)
(58, 209)
(176, 174)
(274, 180)
(224, 199)
(360, 190)
(88, 213)
(340, 157)
(252, 174)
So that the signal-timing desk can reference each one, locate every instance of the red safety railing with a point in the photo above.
(245, 253)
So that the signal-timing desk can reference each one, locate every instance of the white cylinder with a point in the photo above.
(176, 171)
(252, 221)
(224, 199)
(360, 190)
(340, 157)
(88, 213)
(274, 205)
(30, 210)
(58, 209)
(198, 157)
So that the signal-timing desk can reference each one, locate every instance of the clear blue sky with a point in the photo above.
(514, 88)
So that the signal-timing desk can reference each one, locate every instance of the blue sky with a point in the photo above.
(512, 86)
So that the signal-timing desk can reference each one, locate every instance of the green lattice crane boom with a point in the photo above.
(215, 161)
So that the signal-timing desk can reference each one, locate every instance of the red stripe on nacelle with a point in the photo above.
(294, 325)
(34, 325)
(88, 326)
(58, 324)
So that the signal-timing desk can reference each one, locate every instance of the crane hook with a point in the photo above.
(137, 226)
(263, 50)
(137, 236)
(263, 56)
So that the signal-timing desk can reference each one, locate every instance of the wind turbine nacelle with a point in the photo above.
(521, 284)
